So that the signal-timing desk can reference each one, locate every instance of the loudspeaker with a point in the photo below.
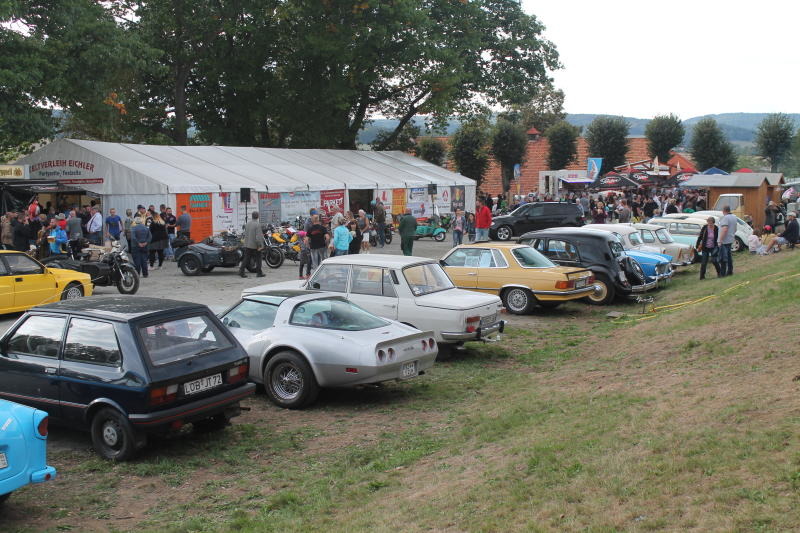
(431, 188)
(244, 194)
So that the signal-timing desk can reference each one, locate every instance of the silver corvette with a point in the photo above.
(299, 341)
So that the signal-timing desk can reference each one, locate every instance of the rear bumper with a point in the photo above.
(641, 288)
(479, 334)
(571, 294)
(198, 410)
(46, 474)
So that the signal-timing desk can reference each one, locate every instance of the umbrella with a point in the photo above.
(677, 179)
(715, 170)
(612, 180)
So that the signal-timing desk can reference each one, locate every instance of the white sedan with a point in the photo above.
(412, 290)
(299, 341)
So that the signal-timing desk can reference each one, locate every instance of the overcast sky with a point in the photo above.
(641, 58)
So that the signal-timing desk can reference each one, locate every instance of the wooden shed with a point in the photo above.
(756, 188)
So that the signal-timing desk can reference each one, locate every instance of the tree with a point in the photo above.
(664, 133)
(607, 137)
(709, 146)
(544, 110)
(468, 149)
(431, 150)
(774, 138)
(563, 139)
(406, 141)
(791, 166)
(509, 147)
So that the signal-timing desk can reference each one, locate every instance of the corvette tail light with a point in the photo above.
(238, 373)
(162, 395)
(424, 345)
(381, 356)
(390, 354)
(431, 343)
(472, 323)
(42, 427)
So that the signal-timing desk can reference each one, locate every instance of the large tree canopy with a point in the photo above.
(296, 73)
(469, 149)
(663, 133)
(509, 148)
(710, 147)
(607, 137)
(563, 139)
(774, 138)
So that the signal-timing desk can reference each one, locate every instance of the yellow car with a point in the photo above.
(25, 282)
(520, 275)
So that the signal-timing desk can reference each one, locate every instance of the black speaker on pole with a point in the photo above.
(244, 194)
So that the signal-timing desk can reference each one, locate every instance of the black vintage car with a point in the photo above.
(535, 216)
(125, 367)
(599, 251)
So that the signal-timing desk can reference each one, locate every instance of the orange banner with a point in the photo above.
(398, 202)
(199, 207)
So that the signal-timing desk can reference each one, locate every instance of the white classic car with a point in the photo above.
(655, 235)
(630, 237)
(299, 341)
(413, 290)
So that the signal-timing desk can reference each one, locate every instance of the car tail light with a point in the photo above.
(42, 427)
(568, 284)
(390, 354)
(162, 395)
(431, 343)
(472, 323)
(590, 279)
(424, 345)
(238, 373)
(381, 356)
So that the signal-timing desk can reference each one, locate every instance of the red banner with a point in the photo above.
(199, 208)
(330, 199)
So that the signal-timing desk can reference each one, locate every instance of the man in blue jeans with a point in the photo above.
(727, 235)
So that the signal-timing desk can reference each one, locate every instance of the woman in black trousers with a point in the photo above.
(707, 245)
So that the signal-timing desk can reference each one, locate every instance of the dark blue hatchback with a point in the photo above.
(124, 368)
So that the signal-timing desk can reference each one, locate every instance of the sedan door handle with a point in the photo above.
(472, 273)
(17, 279)
(49, 370)
(390, 306)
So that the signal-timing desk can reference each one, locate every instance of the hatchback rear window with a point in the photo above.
(183, 338)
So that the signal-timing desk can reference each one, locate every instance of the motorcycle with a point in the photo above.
(285, 238)
(432, 228)
(388, 232)
(111, 268)
(224, 250)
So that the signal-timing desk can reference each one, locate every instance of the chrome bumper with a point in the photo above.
(582, 290)
(643, 288)
(479, 334)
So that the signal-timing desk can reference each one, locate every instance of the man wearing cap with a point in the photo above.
(791, 234)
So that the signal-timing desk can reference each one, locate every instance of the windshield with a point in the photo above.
(250, 315)
(664, 236)
(427, 278)
(635, 238)
(530, 258)
(183, 338)
(334, 313)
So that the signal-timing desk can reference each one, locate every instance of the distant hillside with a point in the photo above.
(740, 128)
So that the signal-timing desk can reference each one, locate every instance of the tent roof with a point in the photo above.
(714, 170)
(736, 179)
(226, 168)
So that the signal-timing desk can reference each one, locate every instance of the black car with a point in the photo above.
(124, 368)
(535, 216)
(599, 251)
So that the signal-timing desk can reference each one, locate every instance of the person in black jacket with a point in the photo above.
(791, 234)
(22, 233)
(707, 245)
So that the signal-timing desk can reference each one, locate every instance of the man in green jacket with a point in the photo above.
(408, 228)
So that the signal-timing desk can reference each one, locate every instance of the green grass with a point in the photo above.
(585, 423)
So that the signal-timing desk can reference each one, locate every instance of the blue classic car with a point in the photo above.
(23, 448)
(124, 368)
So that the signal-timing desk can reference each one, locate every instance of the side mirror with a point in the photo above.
(315, 285)
(442, 263)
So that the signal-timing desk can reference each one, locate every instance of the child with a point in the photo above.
(305, 255)
(754, 241)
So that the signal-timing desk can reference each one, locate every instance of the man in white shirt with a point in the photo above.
(727, 235)
(95, 227)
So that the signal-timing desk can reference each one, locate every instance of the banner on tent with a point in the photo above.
(398, 201)
(269, 207)
(330, 199)
(457, 197)
(419, 202)
(443, 199)
(200, 209)
(226, 211)
(298, 203)
(385, 197)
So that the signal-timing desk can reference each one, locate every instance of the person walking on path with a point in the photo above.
(707, 245)
(94, 227)
(184, 225)
(366, 227)
(171, 221)
(114, 226)
(318, 238)
(159, 241)
(459, 224)
(140, 240)
(727, 235)
(253, 245)
(379, 216)
(408, 228)
(341, 240)
(483, 221)
(305, 255)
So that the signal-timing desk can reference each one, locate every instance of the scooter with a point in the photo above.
(431, 229)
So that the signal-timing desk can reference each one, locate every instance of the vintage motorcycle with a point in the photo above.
(112, 268)
(284, 237)
(431, 228)
(224, 250)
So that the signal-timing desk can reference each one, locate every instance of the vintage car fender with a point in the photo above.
(24, 449)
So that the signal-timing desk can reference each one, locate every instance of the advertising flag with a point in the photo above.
(594, 164)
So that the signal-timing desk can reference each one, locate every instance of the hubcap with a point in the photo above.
(600, 291)
(127, 279)
(517, 300)
(110, 435)
(287, 381)
(504, 233)
(73, 293)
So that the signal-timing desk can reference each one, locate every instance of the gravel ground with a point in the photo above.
(221, 288)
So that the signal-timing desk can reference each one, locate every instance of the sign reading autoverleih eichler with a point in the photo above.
(457, 196)
(13, 172)
(298, 203)
(269, 207)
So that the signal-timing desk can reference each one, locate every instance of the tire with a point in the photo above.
(504, 233)
(518, 301)
(441, 236)
(189, 265)
(129, 283)
(548, 304)
(4, 497)
(274, 257)
(738, 245)
(605, 294)
(211, 425)
(289, 381)
(73, 291)
(112, 435)
(387, 237)
(638, 272)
